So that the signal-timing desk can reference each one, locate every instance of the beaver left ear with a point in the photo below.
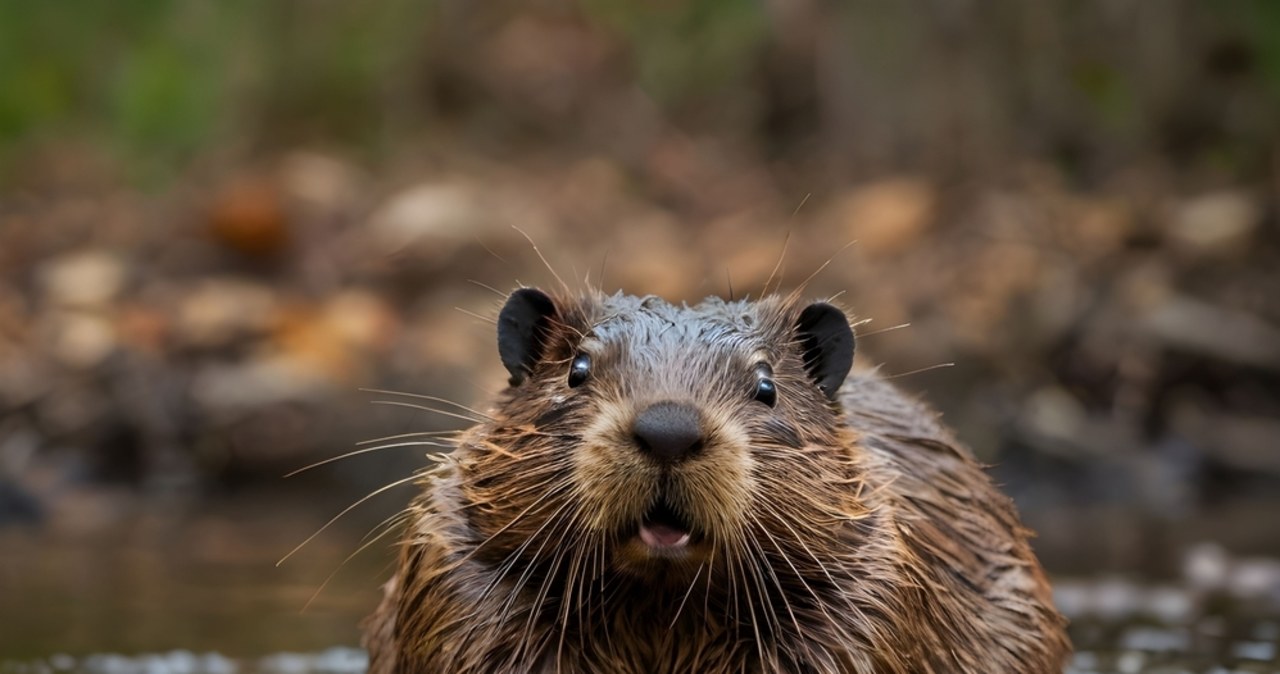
(522, 331)
(828, 344)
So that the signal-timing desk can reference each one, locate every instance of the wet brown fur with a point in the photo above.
(854, 536)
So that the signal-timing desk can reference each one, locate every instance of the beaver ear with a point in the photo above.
(522, 331)
(828, 344)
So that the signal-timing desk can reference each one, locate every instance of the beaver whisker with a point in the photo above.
(572, 577)
(881, 331)
(577, 333)
(755, 623)
(572, 583)
(711, 565)
(348, 509)
(551, 269)
(526, 455)
(731, 610)
(554, 568)
(767, 607)
(610, 586)
(783, 254)
(563, 484)
(366, 450)
(799, 539)
(584, 590)
(487, 319)
(776, 582)
(486, 286)
(503, 569)
(513, 557)
(540, 597)
(692, 584)
(434, 399)
(388, 525)
(930, 368)
(410, 435)
(798, 292)
(816, 515)
(424, 408)
(819, 603)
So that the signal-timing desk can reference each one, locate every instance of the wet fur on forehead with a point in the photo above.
(653, 319)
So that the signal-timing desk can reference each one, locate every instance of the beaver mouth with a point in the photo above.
(664, 528)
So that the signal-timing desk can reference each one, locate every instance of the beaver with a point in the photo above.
(707, 488)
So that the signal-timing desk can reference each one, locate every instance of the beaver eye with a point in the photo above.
(579, 369)
(766, 391)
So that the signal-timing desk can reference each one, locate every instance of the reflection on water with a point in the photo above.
(202, 594)
(203, 583)
(336, 660)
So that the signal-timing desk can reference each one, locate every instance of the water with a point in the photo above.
(330, 661)
(204, 582)
(201, 594)
(1152, 649)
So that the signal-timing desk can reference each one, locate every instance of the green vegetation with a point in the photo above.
(161, 80)
(158, 82)
(686, 50)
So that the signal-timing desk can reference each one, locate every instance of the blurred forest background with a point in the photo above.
(220, 221)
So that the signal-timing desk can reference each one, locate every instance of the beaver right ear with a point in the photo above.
(828, 344)
(522, 331)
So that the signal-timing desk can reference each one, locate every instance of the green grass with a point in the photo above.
(158, 81)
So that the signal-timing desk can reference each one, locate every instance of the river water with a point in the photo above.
(200, 593)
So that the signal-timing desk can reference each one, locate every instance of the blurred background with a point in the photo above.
(220, 221)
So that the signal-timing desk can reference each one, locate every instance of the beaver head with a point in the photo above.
(655, 439)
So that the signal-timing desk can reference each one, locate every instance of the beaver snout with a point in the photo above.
(668, 431)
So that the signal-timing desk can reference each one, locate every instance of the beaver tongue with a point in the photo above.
(657, 535)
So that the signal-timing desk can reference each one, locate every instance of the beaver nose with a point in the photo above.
(668, 431)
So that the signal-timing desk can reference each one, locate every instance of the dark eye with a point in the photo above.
(766, 391)
(579, 370)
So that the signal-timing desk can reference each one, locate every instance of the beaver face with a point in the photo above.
(660, 437)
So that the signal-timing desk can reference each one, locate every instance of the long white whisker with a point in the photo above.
(555, 488)
(486, 319)
(939, 366)
(424, 408)
(390, 525)
(881, 331)
(348, 509)
(680, 609)
(366, 450)
(488, 287)
(415, 434)
(434, 399)
(537, 250)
